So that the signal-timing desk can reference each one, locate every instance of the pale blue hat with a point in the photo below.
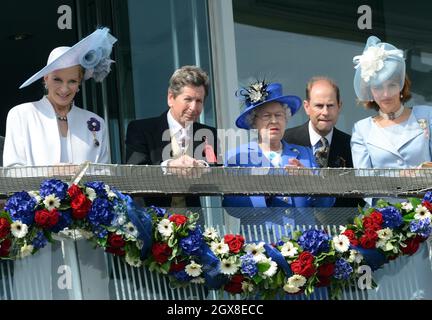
(92, 53)
(379, 62)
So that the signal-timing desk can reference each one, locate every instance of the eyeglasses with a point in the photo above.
(280, 116)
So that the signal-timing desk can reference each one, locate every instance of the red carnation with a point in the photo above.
(427, 204)
(326, 270)
(234, 242)
(46, 219)
(178, 219)
(350, 234)
(4, 247)
(412, 245)
(115, 240)
(304, 265)
(74, 191)
(176, 267)
(80, 205)
(376, 217)
(116, 251)
(323, 281)
(4, 227)
(235, 284)
(369, 223)
(161, 252)
(368, 240)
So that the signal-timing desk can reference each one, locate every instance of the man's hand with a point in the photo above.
(185, 166)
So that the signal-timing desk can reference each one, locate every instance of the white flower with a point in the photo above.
(257, 250)
(90, 193)
(26, 250)
(247, 287)
(165, 227)
(290, 289)
(228, 266)
(51, 202)
(385, 234)
(131, 231)
(270, 272)
(35, 195)
(355, 256)
(84, 233)
(371, 61)
(422, 213)
(133, 261)
(288, 249)
(210, 233)
(219, 247)
(109, 192)
(297, 281)
(193, 269)
(342, 229)
(19, 229)
(198, 280)
(341, 243)
(407, 206)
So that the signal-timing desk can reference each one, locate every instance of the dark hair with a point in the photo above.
(188, 76)
(406, 95)
(313, 80)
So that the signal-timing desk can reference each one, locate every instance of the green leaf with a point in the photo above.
(263, 266)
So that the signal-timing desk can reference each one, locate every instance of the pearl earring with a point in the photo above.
(401, 96)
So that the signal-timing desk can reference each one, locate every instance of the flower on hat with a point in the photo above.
(371, 61)
(256, 92)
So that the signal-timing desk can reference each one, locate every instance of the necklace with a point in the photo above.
(61, 118)
(392, 115)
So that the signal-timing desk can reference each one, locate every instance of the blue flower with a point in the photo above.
(421, 227)
(101, 212)
(99, 232)
(93, 124)
(314, 241)
(65, 220)
(53, 186)
(21, 207)
(428, 196)
(392, 217)
(342, 269)
(40, 240)
(248, 265)
(191, 244)
(99, 188)
(160, 212)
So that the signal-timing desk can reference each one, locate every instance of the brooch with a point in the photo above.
(424, 125)
(93, 125)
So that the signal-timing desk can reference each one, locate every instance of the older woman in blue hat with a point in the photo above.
(54, 130)
(267, 110)
(396, 137)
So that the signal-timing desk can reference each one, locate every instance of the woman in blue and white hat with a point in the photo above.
(268, 110)
(397, 137)
(54, 130)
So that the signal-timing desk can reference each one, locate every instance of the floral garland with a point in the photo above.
(173, 244)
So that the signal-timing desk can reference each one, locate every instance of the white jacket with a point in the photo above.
(33, 138)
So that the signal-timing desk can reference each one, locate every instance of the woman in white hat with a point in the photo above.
(54, 130)
(396, 137)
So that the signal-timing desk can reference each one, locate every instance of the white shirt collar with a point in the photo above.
(175, 127)
(315, 137)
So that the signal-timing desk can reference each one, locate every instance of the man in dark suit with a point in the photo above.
(175, 138)
(323, 106)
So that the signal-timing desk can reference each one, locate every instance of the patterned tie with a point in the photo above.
(321, 152)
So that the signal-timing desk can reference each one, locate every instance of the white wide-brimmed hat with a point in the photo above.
(379, 62)
(92, 53)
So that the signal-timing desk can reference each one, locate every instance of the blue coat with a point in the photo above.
(254, 157)
(404, 145)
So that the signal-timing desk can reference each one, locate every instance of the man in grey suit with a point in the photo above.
(323, 105)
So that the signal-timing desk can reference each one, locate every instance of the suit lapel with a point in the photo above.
(409, 132)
